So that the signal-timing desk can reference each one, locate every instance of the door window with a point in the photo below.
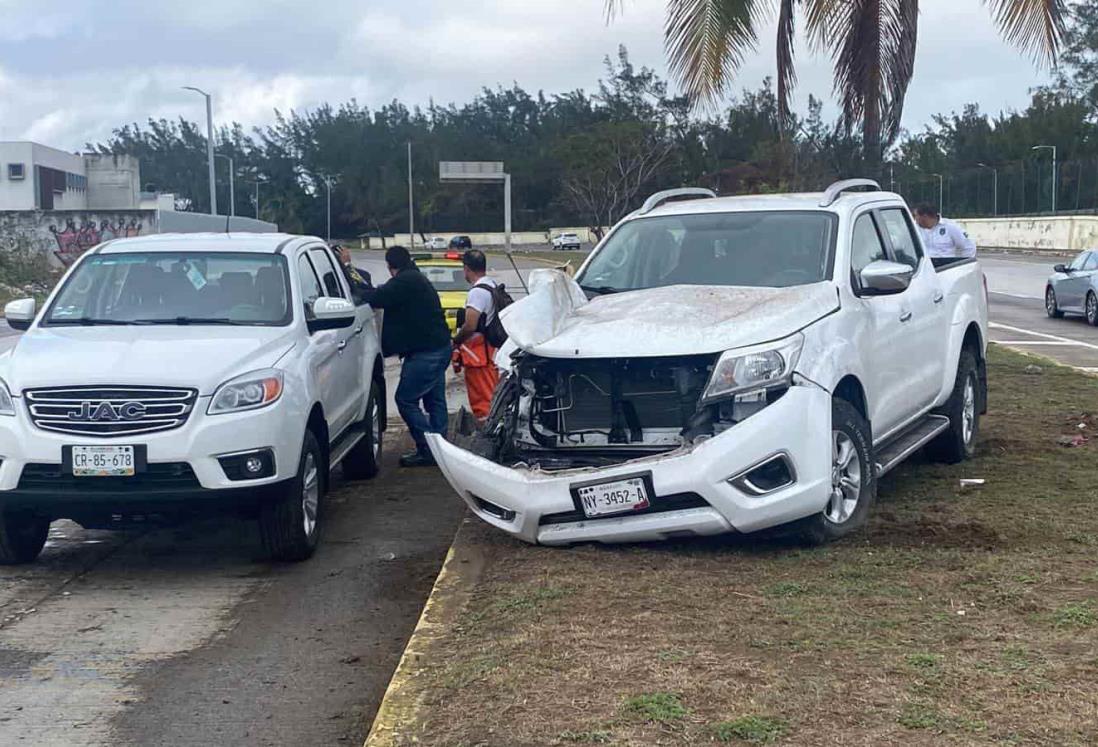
(1091, 263)
(1079, 261)
(866, 246)
(327, 271)
(905, 246)
(308, 283)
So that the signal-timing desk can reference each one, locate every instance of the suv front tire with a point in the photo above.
(290, 526)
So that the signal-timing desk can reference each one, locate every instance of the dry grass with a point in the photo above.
(959, 617)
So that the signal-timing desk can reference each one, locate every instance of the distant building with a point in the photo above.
(37, 177)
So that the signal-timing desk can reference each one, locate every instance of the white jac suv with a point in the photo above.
(188, 374)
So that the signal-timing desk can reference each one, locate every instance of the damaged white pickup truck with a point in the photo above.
(728, 365)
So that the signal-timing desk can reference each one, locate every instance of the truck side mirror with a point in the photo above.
(20, 314)
(883, 277)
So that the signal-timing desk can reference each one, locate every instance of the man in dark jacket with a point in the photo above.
(415, 329)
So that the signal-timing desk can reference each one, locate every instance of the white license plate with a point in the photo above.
(615, 497)
(102, 461)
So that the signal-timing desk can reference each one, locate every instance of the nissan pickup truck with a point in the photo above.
(728, 364)
(178, 375)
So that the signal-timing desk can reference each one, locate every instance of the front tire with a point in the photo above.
(1052, 307)
(958, 442)
(853, 478)
(363, 461)
(22, 537)
(1092, 309)
(290, 526)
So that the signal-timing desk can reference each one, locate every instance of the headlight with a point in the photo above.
(247, 392)
(7, 406)
(758, 367)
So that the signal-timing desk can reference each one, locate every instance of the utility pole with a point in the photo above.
(1053, 149)
(232, 184)
(995, 189)
(941, 192)
(209, 146)
(411, 209)
(258, 179)
(328, 183)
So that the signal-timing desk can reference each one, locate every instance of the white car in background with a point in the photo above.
(436, 243)
(190, 374)
(568, 241)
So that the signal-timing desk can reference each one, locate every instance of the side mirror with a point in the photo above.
(1061, 268)
(883, 277)
(20, 314)
(330, 313)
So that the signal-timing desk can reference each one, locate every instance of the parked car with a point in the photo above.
(174, 375)
(566, 241)
(461, 243)
(728, 365)
(436, 243)
(1073, 289)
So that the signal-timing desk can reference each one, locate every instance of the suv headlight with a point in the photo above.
(753, 368)
(7, 405)
(248, 392)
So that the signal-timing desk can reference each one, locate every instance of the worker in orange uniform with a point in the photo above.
(473, 352)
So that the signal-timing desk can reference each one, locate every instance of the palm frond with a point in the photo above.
(613, 8)
(1035, 26)
(706, 41)
(787, 74)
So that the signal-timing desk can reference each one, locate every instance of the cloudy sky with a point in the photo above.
(72, 70)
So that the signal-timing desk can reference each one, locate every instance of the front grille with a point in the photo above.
(156, 477)
(659, 505)
(109, 410)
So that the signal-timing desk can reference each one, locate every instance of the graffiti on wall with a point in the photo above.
(63, 236)
(73, 241)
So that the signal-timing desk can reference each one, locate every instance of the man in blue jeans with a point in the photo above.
(415, 329)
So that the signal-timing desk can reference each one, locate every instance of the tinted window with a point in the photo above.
(327, 270)
(904, 244)
(865, 245)
(308, 281)
(761, 249)
(1092, 262)
(175, 288)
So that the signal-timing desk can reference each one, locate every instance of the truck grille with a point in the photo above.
(108, 411)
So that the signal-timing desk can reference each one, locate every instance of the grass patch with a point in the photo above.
(660, 707)
(786, 589)
(1080, 615)
(586, 737)
(751, 729)
(921, 716)
(924, 662)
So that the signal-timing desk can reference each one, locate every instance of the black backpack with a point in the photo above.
(493, 330)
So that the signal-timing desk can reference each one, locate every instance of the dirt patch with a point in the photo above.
(961, 615)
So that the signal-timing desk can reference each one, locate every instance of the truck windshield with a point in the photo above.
(175, 288)
(768, 249)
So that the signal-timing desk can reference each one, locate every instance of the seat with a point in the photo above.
(270, 286)
(237, 289)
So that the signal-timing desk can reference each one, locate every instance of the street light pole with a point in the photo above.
(941, 192)
(258, 179)
(411, 211)
(232, 183)
(1053, 149)
(328, 184)
(995, 189)
(209, 146)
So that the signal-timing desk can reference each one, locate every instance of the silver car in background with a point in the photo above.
(1073, 289)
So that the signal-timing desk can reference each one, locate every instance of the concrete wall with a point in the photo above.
(114, 182)
(519, 239)
(1062, 233)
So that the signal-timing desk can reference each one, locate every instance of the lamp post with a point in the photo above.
(941, 192)
(411, 211)
(328, 184)
(232, 183)
(1053, 149)
(257, 181)
(209, 146)
(995, 189)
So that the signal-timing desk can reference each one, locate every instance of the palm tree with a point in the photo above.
(871, 44)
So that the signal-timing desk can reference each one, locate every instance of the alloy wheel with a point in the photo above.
(310, 494)
(968, 409)
(846, 478)
(1050, 301)
(1092, 309)
(375, 428)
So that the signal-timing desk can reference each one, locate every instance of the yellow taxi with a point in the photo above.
(447, 275)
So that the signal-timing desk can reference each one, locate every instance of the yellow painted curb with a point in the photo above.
(400, 706)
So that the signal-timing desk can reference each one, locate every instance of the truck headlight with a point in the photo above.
(248, 392)
(756, 367)
(7, 405)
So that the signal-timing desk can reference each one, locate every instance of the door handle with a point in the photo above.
(905, 316)
(341, 346)
(359, 330)
(939, 297)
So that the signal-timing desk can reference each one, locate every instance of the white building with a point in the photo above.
(36, 177)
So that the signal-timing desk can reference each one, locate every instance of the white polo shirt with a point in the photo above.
(481, 298)
(947, 240)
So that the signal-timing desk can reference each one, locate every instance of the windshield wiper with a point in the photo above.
(87, 321)
(183, 320)
(602, 290)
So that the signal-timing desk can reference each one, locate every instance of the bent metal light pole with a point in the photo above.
(995, 189)
(209, 146)
(232, 183)
(1053, 149)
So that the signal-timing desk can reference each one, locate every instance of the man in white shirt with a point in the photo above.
(942, 237)
(472, 352)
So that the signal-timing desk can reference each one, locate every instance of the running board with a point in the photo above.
(347, 441)
(913, 439)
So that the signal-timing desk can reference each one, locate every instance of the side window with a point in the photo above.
(904, 244)
(865, 246)
(1079, 261)
(307, 280)
(1092, 262)
(327, 270)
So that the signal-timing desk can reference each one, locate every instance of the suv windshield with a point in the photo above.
(175, 288)
(772, 249)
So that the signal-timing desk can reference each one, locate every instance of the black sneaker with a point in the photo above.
(416, 459)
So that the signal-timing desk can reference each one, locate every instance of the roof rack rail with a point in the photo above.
(836, 190)
(661, 197)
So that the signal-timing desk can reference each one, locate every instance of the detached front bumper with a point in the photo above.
(693, 490)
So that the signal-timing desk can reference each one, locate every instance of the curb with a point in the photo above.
(401, 704)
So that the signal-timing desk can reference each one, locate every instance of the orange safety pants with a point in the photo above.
(475, 357)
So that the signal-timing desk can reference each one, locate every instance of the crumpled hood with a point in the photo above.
(199, 357)
(556, 320)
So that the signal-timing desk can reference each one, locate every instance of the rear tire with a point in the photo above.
(22, 537)
(853, 480)
(290, 526)
(1092, 309)
(958, 442)
(1052, 308)
(364, 460)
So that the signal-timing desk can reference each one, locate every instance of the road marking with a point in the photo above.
(1033, 342)
(1057, 338)
(1016, 295)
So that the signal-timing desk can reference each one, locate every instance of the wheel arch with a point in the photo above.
(850, 389)
(317, 424)
(974, 342)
